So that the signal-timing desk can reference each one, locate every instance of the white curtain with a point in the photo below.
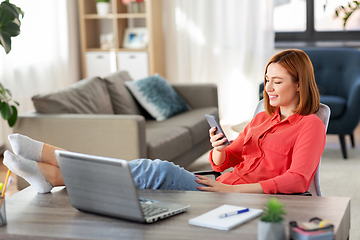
(226, 42)
(44, 57)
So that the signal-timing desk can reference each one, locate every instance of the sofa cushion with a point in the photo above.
(336, 104)
(122, 100)
(167, 142)
(157, 96)
(86, 96)
(194, 120)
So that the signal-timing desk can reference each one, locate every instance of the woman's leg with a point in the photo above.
(52, 174)
(48, 155)
(42, 174)
(31, 149)
(159, 174)
(147, 174)
(29, 170)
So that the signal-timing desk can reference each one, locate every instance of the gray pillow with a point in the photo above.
(86, 96)
(157, 97)
(122, 100)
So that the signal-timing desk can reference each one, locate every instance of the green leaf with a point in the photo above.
(13, 118)
(8, 91)
(6, 111)
(11, 9)
(1, 104)
(18, 104)
(3, 91)
(273, 211)
(5, 16)
(5, 41)
(11, 28)
(9, 23)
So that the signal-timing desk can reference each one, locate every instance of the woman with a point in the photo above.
(278, 151)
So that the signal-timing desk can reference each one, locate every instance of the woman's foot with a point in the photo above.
(28, 170)
(26, 147)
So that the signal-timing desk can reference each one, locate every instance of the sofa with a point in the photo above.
(100, 116)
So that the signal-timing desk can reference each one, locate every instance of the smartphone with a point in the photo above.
(214, 123)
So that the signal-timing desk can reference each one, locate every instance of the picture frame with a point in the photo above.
(135, 38)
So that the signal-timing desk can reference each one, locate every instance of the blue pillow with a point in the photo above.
(157, 97)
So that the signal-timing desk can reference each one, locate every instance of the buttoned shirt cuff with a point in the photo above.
(268, 186)
(218, 168)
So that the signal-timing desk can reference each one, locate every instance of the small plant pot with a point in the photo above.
(103, 8)
(271, 231)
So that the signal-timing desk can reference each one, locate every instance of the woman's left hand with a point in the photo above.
(211, 185)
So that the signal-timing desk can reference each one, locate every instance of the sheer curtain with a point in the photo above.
(223, 42)
(44, 57)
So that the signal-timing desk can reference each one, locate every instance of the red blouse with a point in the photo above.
(282, 156)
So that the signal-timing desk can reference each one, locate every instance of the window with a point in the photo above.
(308, 21)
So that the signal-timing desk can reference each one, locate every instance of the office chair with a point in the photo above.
(314, 189)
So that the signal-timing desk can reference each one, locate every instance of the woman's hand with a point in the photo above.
(212, 185)
(216, 140)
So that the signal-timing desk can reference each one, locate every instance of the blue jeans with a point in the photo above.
(158, 174)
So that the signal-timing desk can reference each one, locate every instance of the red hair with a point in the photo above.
(298, 64)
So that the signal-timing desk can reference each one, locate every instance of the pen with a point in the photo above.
(233, 213)
(5, 184)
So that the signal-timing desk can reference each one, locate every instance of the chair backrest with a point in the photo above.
(324, 115)
(335, 69)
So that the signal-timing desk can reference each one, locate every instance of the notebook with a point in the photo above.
(212, 218)
(105, 186)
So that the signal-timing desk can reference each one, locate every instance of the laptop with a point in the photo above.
(105, 186)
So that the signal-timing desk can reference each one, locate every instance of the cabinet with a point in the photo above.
(102, 39)
(100, 63)
(136, 63)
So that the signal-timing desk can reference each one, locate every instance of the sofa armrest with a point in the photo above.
(117, 136)
(198, 95)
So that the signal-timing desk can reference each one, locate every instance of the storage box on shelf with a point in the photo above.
(102, 39)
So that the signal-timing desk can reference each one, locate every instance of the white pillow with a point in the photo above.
(157, 97)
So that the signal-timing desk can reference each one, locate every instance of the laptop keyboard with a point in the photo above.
(150, 210)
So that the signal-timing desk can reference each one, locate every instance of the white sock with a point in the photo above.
(28, 170)
(26, 147)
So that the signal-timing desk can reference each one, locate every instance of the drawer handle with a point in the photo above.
(132, 56)
(99, 57)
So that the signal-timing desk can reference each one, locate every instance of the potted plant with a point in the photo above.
(271, 224)
(133, 5)
(103, 7)
(9, 27)
(346, 10)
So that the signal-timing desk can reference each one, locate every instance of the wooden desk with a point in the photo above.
(51, 216)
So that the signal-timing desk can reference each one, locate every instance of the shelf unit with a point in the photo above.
(93, 25)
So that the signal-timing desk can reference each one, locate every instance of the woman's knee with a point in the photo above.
(158, 174)
(147, 167)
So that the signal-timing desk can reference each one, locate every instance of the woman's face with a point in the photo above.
(281, 89)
